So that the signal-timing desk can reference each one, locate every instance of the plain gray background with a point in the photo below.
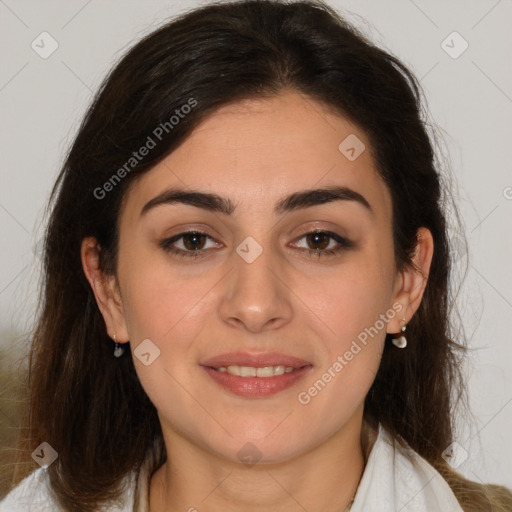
(469, 97)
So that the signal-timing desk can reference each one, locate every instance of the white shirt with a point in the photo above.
(394, 480)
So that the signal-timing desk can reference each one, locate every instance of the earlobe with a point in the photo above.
(105, 289)
(413, 280)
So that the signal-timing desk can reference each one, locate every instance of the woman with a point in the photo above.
(247, 283)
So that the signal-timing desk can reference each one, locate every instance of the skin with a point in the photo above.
(256, 152)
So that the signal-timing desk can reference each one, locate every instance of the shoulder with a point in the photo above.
(397, 478)
(34, 494)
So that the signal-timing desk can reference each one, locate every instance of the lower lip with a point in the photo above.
(257, 387)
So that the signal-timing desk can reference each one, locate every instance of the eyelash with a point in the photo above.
(343, 244)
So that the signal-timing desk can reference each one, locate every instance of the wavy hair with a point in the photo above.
(90, 406)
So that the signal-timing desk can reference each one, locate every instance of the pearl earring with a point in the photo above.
(118, 349)
(401, 341)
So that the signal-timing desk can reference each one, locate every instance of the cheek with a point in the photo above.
(351, 300)
(162, 304)
(170, 309)
(351, 309)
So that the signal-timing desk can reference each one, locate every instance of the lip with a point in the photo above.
(255, 360)
(256, 387)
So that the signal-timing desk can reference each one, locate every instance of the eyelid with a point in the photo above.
(342, 243)
(340, 240)
(167, 243)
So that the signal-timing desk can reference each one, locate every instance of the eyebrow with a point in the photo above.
(296, 201)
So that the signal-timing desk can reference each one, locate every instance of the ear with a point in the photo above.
(411, 282)
(105, 289)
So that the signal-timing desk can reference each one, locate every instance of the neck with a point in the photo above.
(324, 479)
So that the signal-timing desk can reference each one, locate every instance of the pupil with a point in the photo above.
(314, 238)
(195, 237)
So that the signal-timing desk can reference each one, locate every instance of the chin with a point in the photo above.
(253, 444)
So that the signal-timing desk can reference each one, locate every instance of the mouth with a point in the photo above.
(256, 375)
(252, 371)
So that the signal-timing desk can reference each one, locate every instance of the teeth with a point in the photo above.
(246, 371)
(250, 371)
(266, 371)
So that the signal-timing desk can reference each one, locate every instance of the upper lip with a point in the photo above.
(255, 360)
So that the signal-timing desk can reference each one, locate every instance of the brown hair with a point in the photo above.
(90, 406)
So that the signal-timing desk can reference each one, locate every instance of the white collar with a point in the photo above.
(396, 479)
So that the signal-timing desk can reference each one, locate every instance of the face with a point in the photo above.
(255, 286)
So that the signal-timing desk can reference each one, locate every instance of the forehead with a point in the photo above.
(255, 151)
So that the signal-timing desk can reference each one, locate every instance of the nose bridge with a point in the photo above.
(256, 297)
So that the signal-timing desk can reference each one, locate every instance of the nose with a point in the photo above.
(257, 295)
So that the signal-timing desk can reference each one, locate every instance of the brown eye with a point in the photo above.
(194, 241)
(193, 244)
(319, 239)
(324, 243)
